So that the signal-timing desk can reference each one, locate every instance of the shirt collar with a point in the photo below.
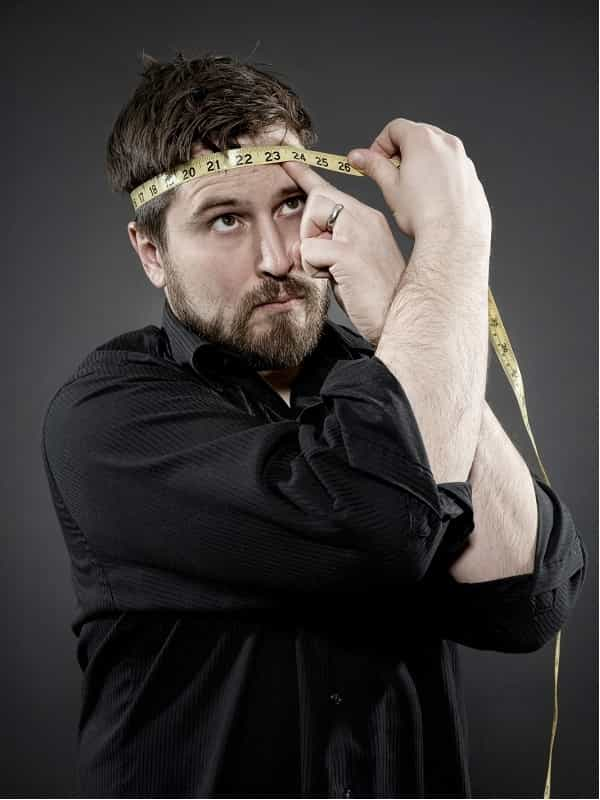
(194, 351)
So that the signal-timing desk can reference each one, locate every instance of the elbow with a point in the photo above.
(553, 609)
(546, 614)
(521, 624)
(525, 638)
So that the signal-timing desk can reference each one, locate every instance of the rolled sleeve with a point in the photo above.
(522, 612)
(378, 427)
(380, 437)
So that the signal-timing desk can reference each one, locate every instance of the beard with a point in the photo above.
(283, 341)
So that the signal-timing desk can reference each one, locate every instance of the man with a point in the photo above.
(279, 527)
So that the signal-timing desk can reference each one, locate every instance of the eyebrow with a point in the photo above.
(235, 202)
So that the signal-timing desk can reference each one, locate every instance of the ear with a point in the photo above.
(149, 255)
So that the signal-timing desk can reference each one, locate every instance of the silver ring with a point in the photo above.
(333, 216)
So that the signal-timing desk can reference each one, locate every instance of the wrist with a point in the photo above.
(460, 227)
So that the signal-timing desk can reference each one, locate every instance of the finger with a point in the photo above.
(318, 210)
(310, 270)
(393, 138)
(306, 178)
(378, 167)
(322, 253)
(375, 147)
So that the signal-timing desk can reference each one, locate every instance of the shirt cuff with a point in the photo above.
(559, 549)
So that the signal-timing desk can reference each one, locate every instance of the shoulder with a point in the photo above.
(127, 351)
(150, 339)
(140, 353)
(111, 388)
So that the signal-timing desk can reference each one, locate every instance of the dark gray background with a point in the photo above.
(518, 84)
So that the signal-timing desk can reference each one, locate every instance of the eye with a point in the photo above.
(297, 202)
(227, 220)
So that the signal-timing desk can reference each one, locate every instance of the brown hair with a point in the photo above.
(211, 100)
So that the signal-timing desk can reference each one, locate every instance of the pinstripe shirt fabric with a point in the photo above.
(264, 607)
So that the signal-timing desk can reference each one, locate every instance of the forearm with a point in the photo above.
(503, 541)
(435, 341)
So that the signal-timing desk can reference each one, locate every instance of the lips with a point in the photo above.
(282, 299)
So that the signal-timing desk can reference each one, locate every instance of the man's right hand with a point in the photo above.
(361, 257)
(436, 186)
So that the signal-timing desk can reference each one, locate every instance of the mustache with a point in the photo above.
(282, 291)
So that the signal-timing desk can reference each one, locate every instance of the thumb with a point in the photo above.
(378, 167)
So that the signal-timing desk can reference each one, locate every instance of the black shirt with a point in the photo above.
(263, 600)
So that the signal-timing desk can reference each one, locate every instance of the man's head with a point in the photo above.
(218, 264)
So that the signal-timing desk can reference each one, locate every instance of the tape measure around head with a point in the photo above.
(214, 163)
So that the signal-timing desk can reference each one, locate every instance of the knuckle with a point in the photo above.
(426, 132)
(396, 126)
(455, 142)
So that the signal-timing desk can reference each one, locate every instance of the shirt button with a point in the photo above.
(335, 698)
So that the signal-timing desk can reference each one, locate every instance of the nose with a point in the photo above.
(275, 250)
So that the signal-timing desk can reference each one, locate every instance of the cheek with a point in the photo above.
(213, 277)
(218, 283)
(192, 273)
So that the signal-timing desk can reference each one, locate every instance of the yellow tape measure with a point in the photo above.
(213, 163)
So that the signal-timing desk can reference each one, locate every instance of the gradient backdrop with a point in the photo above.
(518, 84)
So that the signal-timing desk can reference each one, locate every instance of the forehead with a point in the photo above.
(243, 180)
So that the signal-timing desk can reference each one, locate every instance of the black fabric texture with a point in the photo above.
(264, 607)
